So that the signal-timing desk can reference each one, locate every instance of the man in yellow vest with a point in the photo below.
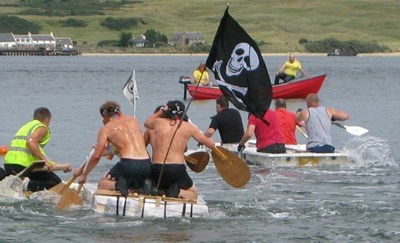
(27, 147)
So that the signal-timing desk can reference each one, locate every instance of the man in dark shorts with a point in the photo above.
(123, 132)
(227, 121)
(170, 160)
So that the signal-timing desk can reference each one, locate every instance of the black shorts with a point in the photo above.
(135, 171)
(172, 173)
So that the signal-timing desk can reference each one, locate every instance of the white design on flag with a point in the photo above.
(130, 91)
(221, 81)
(243, 56)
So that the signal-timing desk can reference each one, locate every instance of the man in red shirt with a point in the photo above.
(287, 122)
(269, 138)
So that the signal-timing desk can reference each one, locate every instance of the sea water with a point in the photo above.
(358, 202)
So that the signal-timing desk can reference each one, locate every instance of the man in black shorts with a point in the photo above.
(168, 154)
(125, 135)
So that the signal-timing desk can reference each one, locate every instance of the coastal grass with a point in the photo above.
(278, 24)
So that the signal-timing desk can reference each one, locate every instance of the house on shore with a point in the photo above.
(186, 39)
(10, 41)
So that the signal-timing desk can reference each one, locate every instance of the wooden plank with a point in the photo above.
(114, 193)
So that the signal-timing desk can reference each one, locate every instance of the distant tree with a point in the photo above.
(120, 23)
(124, 39)
(73, 23)
(17, 25)
(155, 38)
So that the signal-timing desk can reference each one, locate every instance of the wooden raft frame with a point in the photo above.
(142, 201)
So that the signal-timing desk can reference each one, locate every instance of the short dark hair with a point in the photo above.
(41, 113)
(223, 102)
(280, 103)
(109, 108)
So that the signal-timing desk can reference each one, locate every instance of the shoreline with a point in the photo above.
(204, 54)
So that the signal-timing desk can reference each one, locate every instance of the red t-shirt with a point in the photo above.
(266, 135)
(287, 122)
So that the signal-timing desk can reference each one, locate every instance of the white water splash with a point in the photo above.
(370, 151)
(11, 188)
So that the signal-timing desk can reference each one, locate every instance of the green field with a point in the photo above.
(280, 24)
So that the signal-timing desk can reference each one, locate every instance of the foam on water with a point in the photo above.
(370, 151)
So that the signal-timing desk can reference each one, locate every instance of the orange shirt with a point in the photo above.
(287, 122)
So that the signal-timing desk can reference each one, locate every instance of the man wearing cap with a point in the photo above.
(172, 135)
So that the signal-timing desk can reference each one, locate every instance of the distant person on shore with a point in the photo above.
(287, 122)
(227, 121)
(27, 146)
(318, 124)
(201, 75)
(289, 70)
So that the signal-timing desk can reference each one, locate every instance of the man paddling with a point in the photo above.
(124, 133)
(170, 149)
(318, 124)
(27, 146)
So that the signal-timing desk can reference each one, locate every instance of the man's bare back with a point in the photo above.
(163, 130)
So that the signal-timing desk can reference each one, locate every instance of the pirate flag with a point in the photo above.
(239, 68)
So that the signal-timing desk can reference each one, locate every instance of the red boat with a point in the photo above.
(295, 89)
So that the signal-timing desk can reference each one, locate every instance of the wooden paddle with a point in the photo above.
(68, 196)
(197, 161)
(35, 165)
(231, 168)
(354, 130)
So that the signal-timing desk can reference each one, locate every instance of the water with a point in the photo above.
(354, 203)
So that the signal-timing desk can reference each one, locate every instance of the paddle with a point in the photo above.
(231, 168)
(301, 131)
(35, 165)
(197, 161)
(354, 130)
(68, 196)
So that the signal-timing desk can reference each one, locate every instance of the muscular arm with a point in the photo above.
(150, 122)
(95, 158)
(247, 135)
(338, 115)
(201, 138)
(209, 132)
(33, 144)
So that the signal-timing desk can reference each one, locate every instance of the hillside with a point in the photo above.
(279, 24)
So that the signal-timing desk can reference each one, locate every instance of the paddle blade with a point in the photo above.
(197, 161)
(231, 168)
(58, 188)
(356, 130)
(68, 199)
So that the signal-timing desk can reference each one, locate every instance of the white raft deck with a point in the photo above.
(296, 155)
(135, 205)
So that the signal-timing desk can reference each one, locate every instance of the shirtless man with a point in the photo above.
(125, 135)
(174, 179)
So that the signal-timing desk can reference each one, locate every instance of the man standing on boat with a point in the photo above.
(124, 133)
(227, 121)
(172, 135)
(27, 147)
(289, 70)
(318, 124)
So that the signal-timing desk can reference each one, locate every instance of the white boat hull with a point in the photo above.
(295, 156)
(142, 206)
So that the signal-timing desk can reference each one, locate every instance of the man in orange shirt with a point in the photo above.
(287, 122)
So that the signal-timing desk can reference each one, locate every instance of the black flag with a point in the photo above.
(239, 68)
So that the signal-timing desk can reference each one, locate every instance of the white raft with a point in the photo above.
(295, 156)
(135, 205)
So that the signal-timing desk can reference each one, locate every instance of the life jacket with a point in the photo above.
(19, 152)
